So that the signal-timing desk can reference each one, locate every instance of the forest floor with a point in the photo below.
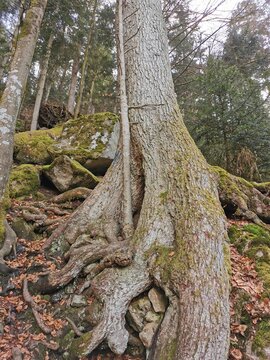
(24, 336)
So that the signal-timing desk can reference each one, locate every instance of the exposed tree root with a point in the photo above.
(245, 199)
(29, 300)
(126, 284)
(9, 244)
(74, 327)
(78, 193)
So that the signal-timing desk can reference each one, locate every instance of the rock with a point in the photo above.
(78, 301)
(91, 140)
(152, 317)
(93, 313)
(24, 180)
(147, 334)
(158, 300)
(1, 328)
(137, 311)
(23, 229)
(32, 147)
(68, 174)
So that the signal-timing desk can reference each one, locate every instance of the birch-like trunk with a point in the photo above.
(11, 99)
(180, 233)
(85, 60)
(73, 83)
(41, 83)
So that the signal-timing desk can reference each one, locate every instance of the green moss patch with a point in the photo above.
(24, 180)
(4, 206)
(32, 147)
(261, 343)
(85, 137)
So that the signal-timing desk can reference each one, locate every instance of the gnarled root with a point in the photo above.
(115, 288)
(9, 243)
(111, 254)
(246, 199)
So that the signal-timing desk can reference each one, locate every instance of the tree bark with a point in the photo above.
(41, 83)
(17, 78)
(73, 83)
(85, 61)
(181, 230)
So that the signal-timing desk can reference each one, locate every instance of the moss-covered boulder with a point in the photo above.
(23, 181)
(261, 343)
(32, 147)
(68, 174)
(89, 139)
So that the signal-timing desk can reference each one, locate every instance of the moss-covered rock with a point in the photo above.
(89, 138)
(32, 147)
(68, 174)
(23, 181)
(261, 343)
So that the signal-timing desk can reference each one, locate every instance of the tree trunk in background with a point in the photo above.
(73, 82)
(85, 60)
(90, 105)
(41, 83)
(11, 99)
(47, 91)
(180, 235)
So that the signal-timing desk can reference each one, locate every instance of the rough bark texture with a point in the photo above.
(180, 229)
(17, 78)
(73, 83)
(85, 61)
(41, 83)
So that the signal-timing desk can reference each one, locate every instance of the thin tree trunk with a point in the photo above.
(181, 231)
(85, 61)
(16, 82)
(47, 91)
(73, 82)
(90, 106)
(41, 83)
(127, 205)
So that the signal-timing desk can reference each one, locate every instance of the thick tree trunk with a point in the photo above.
(73, 83)
(85, 61)
(181, 230)
(41, 83)
(11, 99)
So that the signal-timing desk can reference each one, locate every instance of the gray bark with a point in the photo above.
(85, 61)
(73, 83)
(127, 202)
(181, 231)
(41, 83)
(11, 99)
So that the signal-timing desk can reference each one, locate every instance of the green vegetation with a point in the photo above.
(24, 180)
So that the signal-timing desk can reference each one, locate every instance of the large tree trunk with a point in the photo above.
(180, 232)
(41, 83)
(11, 99)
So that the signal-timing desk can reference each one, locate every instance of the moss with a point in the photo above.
(33, 146)
(78, 346)
(169, 351)
(85, 137)
(24, 180)
(263, 270)
(227, 258)
(262, 340)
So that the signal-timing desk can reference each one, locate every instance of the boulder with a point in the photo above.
(24, 181)
(23, 229)
(68, 174)
(32, 147)
(91, 140)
